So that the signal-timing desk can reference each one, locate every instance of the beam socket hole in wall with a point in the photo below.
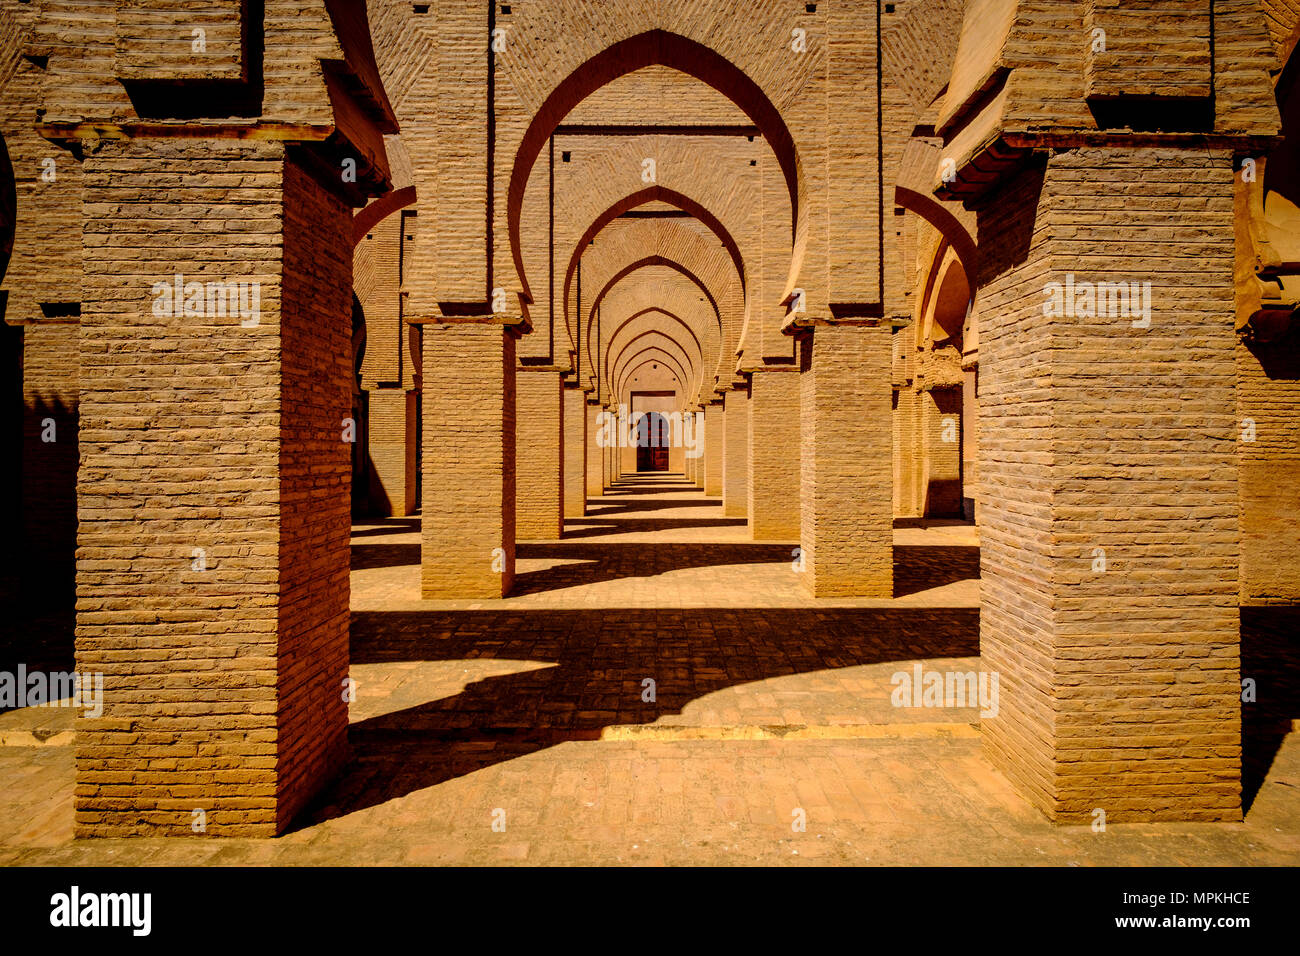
(810, 7)
(889, 8)
(421, 7)
(565, 156)
(753, 162)
(505, 9)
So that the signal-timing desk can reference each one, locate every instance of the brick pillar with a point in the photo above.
(969, 429)
(539, 450)
(846, 476)
(699, 465)
(906, 464)
(468, 512)
(714, 438)
(575, 453)
(941, 452)
(213, 493)
(690, 466)
(595, 455)
(773, 458)
(1108, 487)
(735, 454)
(392, 424)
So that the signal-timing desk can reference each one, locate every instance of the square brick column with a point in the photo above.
(906, 465)
(715, 436)
(941, 458)
(595, 456)
(773, 463)
(391, 439)
(575, 453)
(735, 455)
(539, 451)
(468, 512)
(698, 465)
(691, 467)
(1108, 486)
(846, 476)
(213, 493)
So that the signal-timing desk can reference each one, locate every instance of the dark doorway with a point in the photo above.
(652, 443)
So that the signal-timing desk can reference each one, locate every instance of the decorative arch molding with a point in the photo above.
(655, 47)
(642, 359)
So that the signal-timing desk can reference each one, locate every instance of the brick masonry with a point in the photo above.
(539, 450)
(574, 446)
(773, 471)
(1104, 494)
(469, 461)
(1124, 514)
(735, 481)
(846, 508)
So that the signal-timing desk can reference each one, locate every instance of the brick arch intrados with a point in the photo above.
(655, 48)
(950, 294)
(643, 358)
(611, 361)
(689, 374)
(379, 210)
(692, 371)
(644, 263)
(641, 198)
(613, 337)
(648, 360)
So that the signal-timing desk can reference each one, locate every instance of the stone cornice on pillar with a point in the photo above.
(796, 323)
(1116, 79)
(462, 313)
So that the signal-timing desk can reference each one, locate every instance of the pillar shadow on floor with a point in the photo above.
(610, 561)
(598, 661)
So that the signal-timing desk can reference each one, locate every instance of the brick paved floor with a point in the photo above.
(766, 704)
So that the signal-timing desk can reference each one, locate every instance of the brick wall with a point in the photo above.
(595, 454)
(846, 492)
(714, 439)
(941, 452)
(1268, 405)
(735, 453)
(539, 456)
(315, 481)
(212, 562)
(1097, 435)
(773, 470)
(469, 461)
(575, 453)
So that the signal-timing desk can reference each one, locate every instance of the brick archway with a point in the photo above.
(655, 47)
